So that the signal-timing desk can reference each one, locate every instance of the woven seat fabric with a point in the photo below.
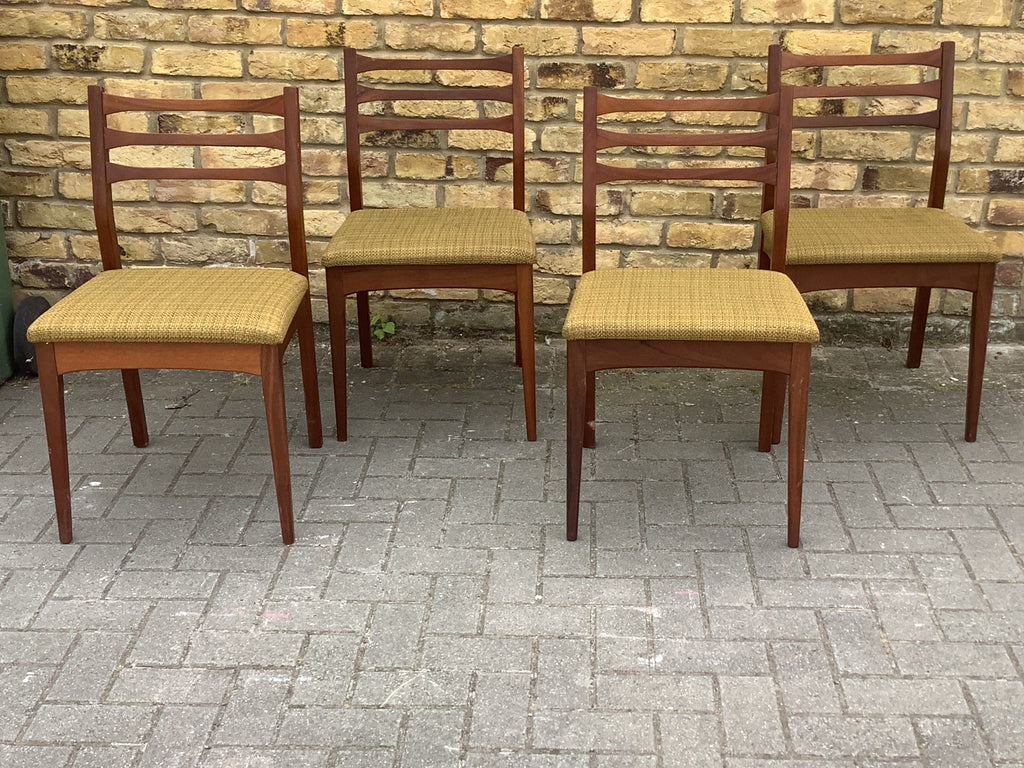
(880, 236)
(381, 236)
(240, 305)
(689, 304)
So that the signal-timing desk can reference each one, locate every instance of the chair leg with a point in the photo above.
(575, 407)
(272, 376)
(590, 412)
(51, 390)
(917, 326)
(136, 408)
(363, 321)
(339, 367)
(981, 313)
(773, 403)
(799, 386)
(524, 344)
(310, 383)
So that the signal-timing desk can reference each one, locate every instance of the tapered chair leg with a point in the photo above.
(981, 313)
(590, 411)
(136, 408)
(51, 390)
(339, 369)
(363, 320)
(310, 383)
(575, 405)
(799, 387)
(917, 326)
(272, 377)
(773, 404)
(524, 344)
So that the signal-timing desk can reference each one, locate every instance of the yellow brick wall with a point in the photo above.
(51, 51)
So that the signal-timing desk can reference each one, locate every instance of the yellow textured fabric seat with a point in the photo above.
(382, 236)
(226, 305)
(689, 304)
(880, 236)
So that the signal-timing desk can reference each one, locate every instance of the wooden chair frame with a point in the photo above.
(977, 278)
(778, 361)
(516, 279)
(265, 361)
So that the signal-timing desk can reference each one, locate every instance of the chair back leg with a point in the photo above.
(524, 344)
(310, 385)
(363, 321)
(136, 408)
(575, 399)
(799, 387)
(272, 376)
(922, 298)
(981, 314)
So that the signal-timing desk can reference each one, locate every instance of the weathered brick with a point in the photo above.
(99, 58)
(27, 245)
(15, 120)
(289, 65)
(317, 33)
(811, 41)
(628, 42)
(195, 62)
(861, 145)
(440, 37)
(535, 40)
(571, 75)
(25, 183)
(30, 89)
(483, 9)
(681, 76)
(671, 202)
(1006, 213)
(1009, 149)
(717, 236)
(1006, 47)
(782, 11)
(149, 89)
(629, 232)
(319, 7)
(1004, 117)
(887, 11)
(199, 5)
(40, 274)
(34, 22)
(686, 11)
(727, 42)
(48, 154)
(17, 56)
(251, 30)
(592, 10)
(433, 166)
(139, 25)
(388, 7)
(134, 249)
(996, 13)
(239, 221)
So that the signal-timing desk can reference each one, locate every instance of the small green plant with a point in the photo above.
(382, 327)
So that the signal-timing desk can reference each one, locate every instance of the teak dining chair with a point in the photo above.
(869, 247)
(704, 317)
(432, 247)
(210, 318)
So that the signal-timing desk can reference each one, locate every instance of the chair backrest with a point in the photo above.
(282, 166)
(732, 162)
(425, 84)
(831, 80)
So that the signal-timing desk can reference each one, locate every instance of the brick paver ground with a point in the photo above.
(432, 614)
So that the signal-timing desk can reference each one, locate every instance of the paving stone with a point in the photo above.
(431, 612)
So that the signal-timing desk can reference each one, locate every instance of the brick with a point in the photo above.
(483, 9)
(782, 11)
(680, 76)
(33, 22)
(99, 58)
(728, 42)
(549, 40)
(1002, 47)
(288, 65)
(22, 120)
(18, 56)
(215, 28)
(139, 25)
(440, 37)
(320, 7)
(888, 12)
(686, 11)
(994, 14)
(827, 41)
(195, 62)
(594, 10)
(388, 7)
(719, 236)
(30, 89)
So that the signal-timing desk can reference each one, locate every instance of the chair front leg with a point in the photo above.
(51, 391)
(799, 388)
(525, 343)
(981, 313)
(575, 407)
(136, 408)
(272, 376)
(339, 368)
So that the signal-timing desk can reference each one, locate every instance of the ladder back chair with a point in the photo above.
(687, 317)
(217, 318)
(419, 101)
(915, 245)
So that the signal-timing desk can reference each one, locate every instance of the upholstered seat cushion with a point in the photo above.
(697, 304)
(381, 236)
(879, 236)
(242, 305)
